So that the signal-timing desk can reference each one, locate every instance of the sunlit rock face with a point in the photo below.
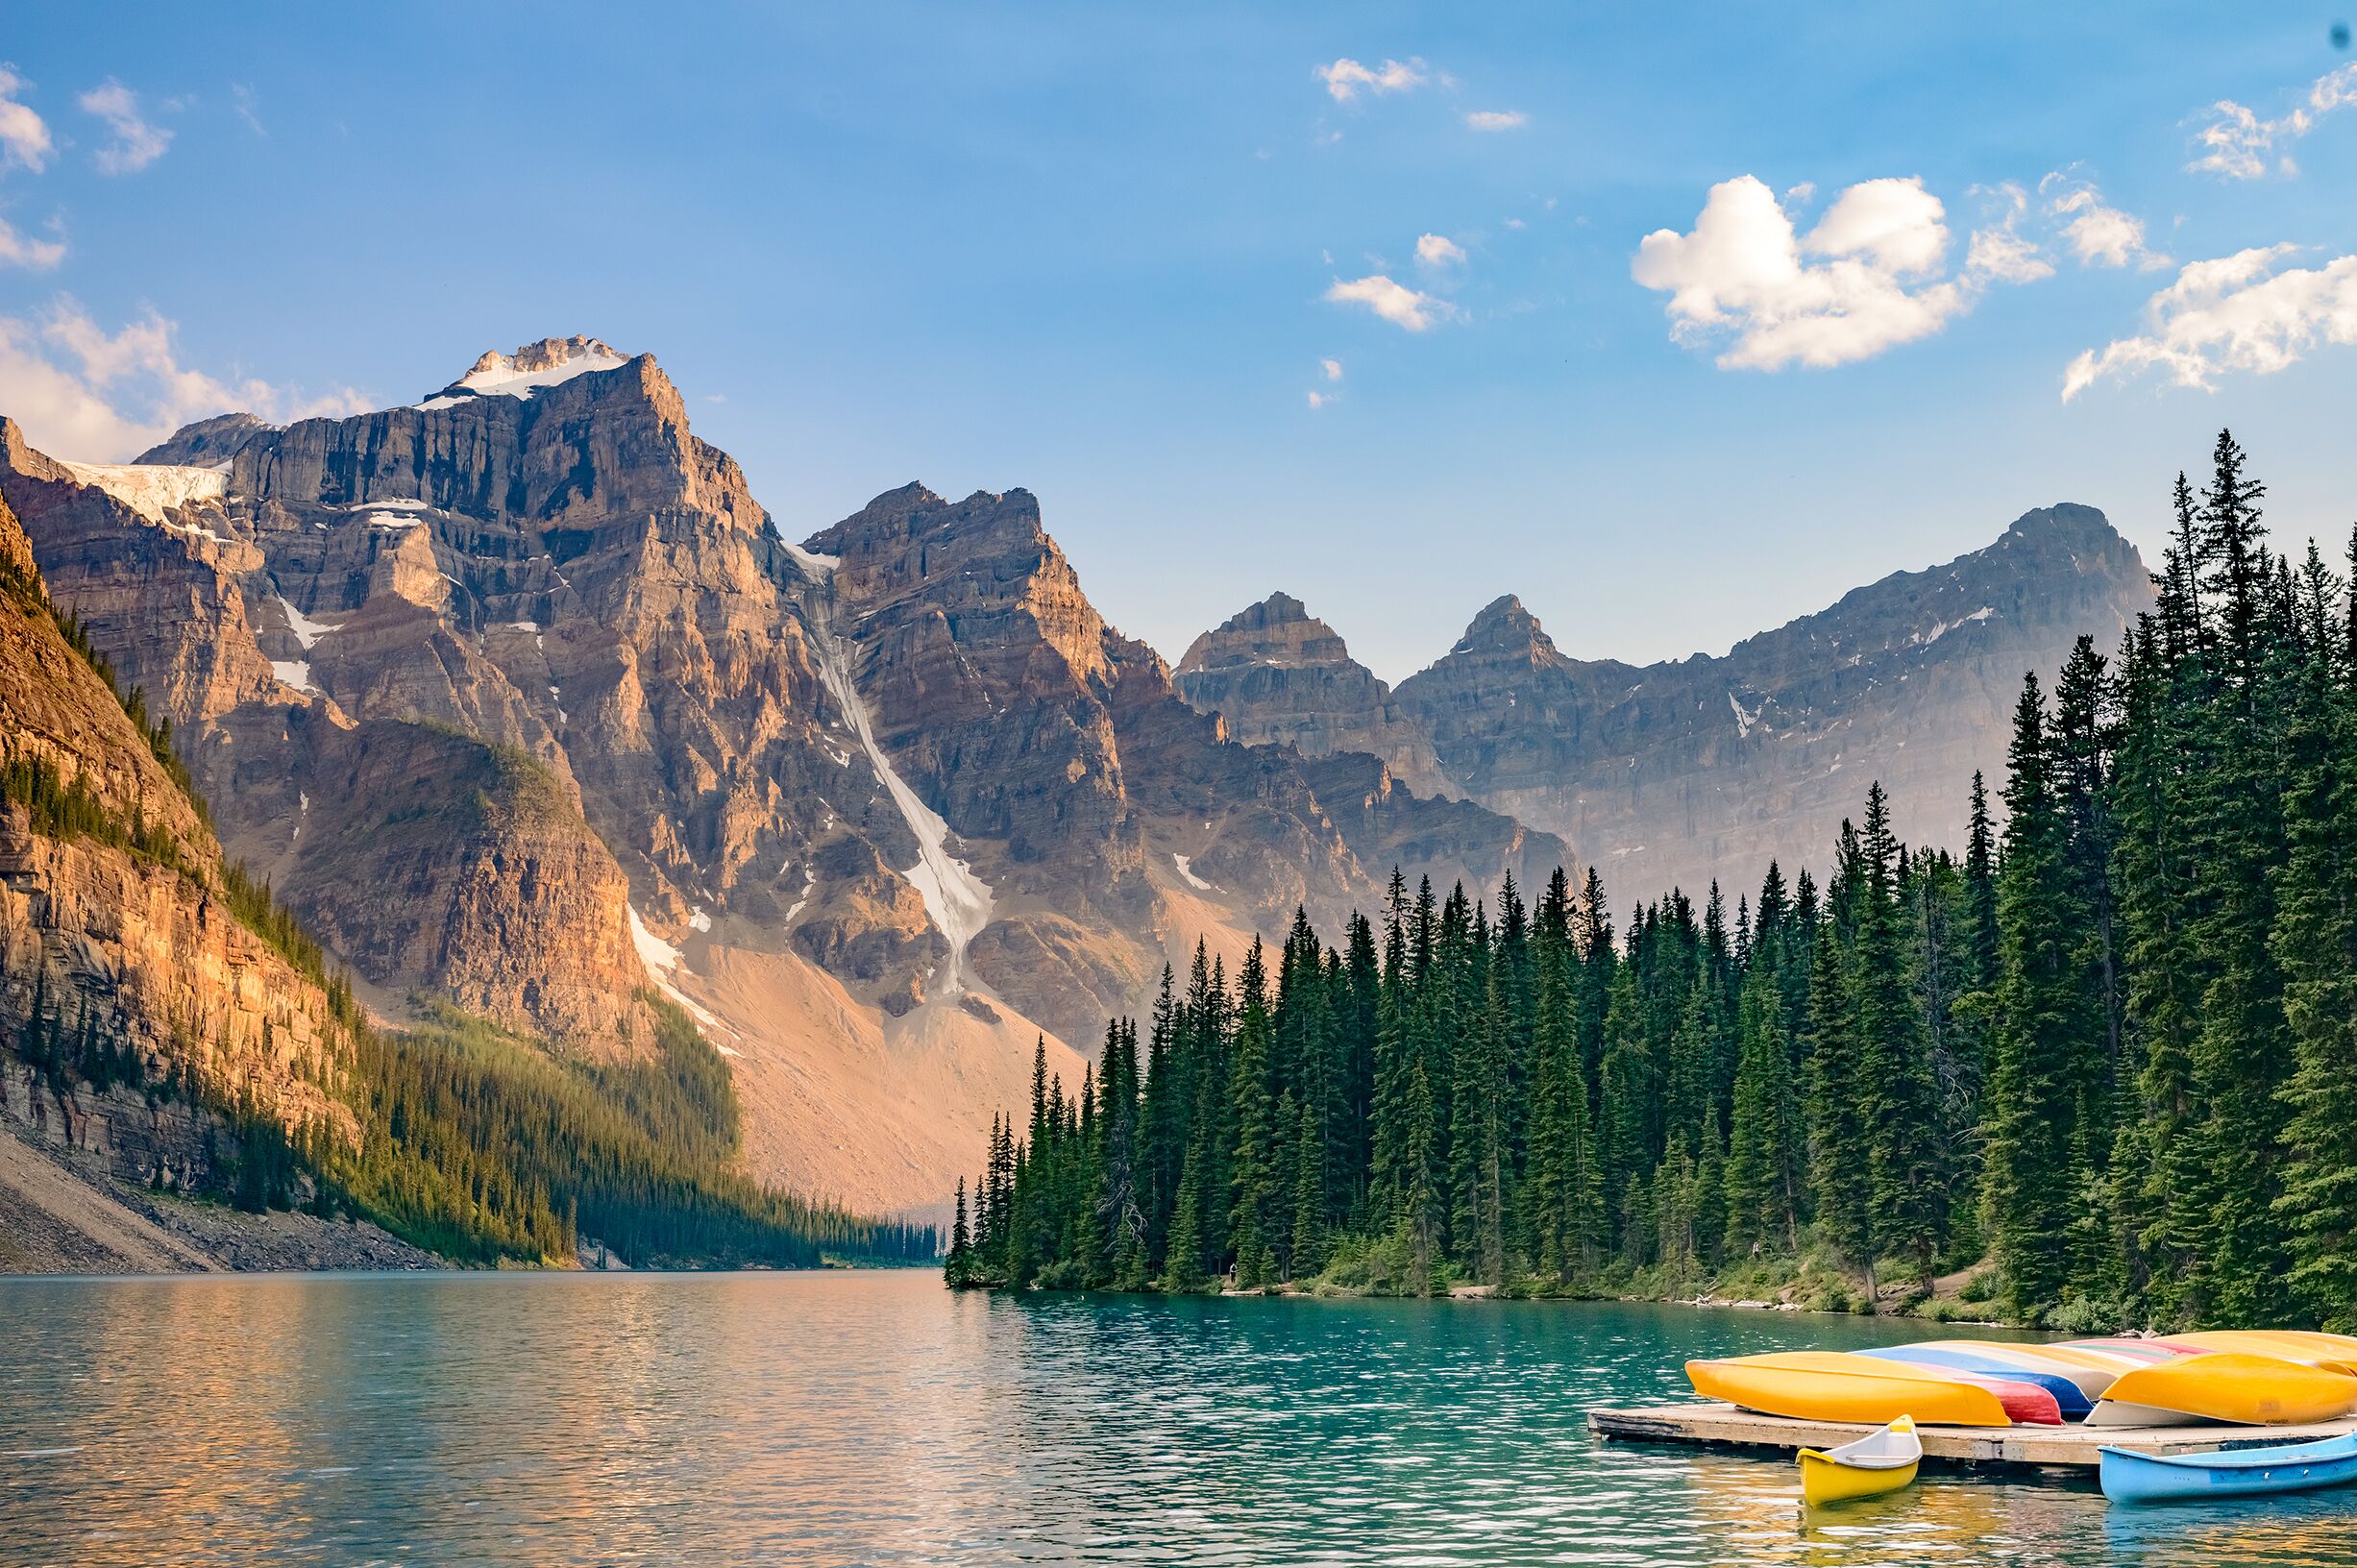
(521, 701)
(140, 954)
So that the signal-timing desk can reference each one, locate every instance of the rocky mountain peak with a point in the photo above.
(536, 365)
(208, 443)
(1273, 673)
(1678, 772)
(969, 562)
(2083, 532)
(1505, 627)
(1278, 609)
(1278, 631)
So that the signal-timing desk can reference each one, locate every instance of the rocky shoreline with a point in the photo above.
(61, 1212)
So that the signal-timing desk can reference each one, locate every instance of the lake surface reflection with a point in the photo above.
(875, 1418)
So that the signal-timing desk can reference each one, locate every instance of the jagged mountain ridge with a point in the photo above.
(519, 698)
(1674, 773)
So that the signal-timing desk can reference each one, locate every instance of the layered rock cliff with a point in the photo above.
(124, 959)
(1278, 675)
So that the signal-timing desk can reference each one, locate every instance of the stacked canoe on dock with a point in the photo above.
(2240, 1376)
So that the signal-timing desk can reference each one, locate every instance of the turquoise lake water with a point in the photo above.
(875, 1418)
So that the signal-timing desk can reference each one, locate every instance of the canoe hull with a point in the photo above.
(2248, 1390)
(2293, 1467)
(2070, 1398)
(2332, 1352)
(1842, 1387)
(1825, 1479)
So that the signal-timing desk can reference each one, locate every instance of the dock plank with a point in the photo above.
(1710, 1423)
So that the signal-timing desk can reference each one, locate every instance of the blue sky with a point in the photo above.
(1104, 252)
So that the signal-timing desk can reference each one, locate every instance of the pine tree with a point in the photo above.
(1902, 1121)
(2315, 940)
(957, 1268)
(1764, 1156)
(1841, 1162)
(2043, 1029)
(1254, 1178)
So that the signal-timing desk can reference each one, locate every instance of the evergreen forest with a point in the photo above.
(2101, 1063)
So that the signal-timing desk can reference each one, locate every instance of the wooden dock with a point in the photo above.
(1712, 1423)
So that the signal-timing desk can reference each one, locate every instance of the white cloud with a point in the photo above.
(1438, 251)
(1516, 223)
(2236, 142)
(1395, 303)
(1496, 119)
(31, 255)
(136, 143)
(2236, 313)
(1801, 194)
(87, 394)
(2000, 253)
(1345, 79)
(1333, 369)
(1870, 276)
(24, 139)
(1319, 400)
(2100, 236)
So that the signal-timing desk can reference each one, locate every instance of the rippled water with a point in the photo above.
(876, 1418)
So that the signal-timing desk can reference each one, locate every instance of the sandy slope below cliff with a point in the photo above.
(842, 1101)
(51, 1223)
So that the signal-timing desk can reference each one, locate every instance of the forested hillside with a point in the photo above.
(2110, 1050)
(161, 1010)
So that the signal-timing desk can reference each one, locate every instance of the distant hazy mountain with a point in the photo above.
(1677, 773)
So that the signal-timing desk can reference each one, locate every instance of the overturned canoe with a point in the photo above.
(2144, 1352)
(2333, 1351)
(2071, 1399)
(1833, 1386)
(2289, 1467)
(1878, 1462)
(2092, 1370)
(2250, 1390)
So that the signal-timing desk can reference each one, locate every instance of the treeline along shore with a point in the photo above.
(2102, 1065)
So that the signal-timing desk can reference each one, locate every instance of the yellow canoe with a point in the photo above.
(1878, 1462)
(1829, 1385)
(2334, 1352)
(2252, 1391)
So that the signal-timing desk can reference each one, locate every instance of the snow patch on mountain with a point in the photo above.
(956, 899)
(153, 489)
(550, 362)
(1924, 639)
(810, 561)
(307, 630)
(662, 961)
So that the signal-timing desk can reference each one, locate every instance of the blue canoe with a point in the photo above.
(2068, 1397)
(2242, 1472)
